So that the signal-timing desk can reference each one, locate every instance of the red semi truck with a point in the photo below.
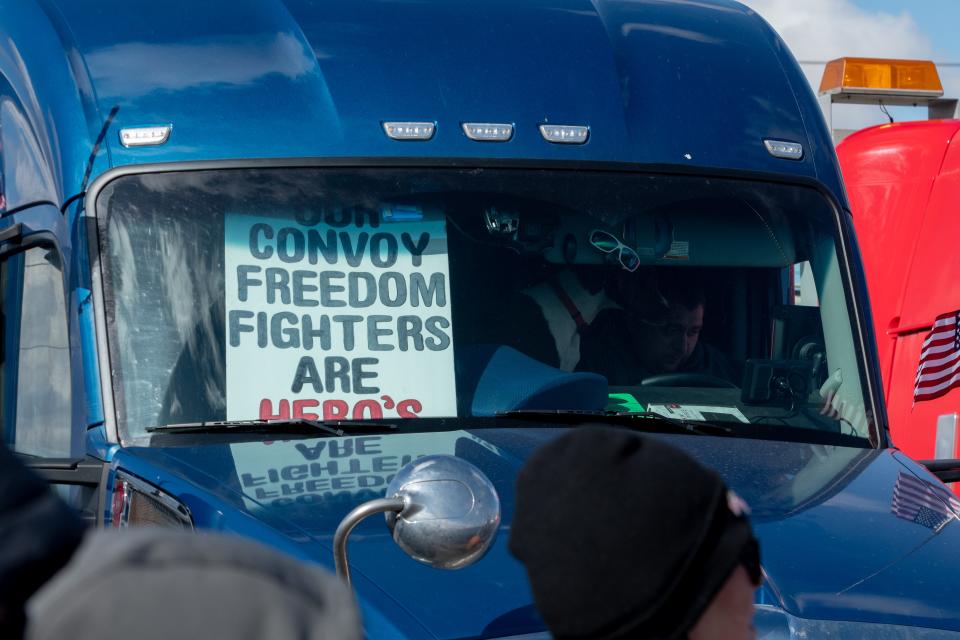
(903, 182)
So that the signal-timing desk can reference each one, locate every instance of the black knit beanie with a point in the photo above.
(623, 536)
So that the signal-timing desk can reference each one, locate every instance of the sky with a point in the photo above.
(819, 30)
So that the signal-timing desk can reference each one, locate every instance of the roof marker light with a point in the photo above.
(409, 130)
(564, 134)
(488, 131)
(784, 149)
(145, 136)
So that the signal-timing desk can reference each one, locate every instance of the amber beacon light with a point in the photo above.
(872, 76)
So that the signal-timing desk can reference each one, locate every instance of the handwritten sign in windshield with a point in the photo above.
(343, 317)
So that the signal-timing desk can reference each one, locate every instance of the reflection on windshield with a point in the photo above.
(381, 294)
(781, 479)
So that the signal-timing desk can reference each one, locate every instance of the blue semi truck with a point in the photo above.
(262, 261)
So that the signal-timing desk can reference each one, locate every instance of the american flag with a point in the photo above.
(923, 502)
(939, 368)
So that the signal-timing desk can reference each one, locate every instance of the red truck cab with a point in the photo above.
(903, 182)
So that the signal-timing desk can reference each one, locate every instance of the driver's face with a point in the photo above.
(666, 347)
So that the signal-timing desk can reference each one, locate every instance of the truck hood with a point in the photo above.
(835, 542)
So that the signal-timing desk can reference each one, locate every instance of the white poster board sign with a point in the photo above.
(348, 318)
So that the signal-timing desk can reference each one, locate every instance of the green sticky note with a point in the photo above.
(624, 402)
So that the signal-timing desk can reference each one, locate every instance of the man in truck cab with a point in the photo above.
(663, 315)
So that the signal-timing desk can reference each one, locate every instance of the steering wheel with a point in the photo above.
(684, 379)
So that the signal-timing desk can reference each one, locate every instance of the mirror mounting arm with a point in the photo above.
(351, 520)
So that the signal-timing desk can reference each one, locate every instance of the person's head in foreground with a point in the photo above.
(624, 536)
(151, 583)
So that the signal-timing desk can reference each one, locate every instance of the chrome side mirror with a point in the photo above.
(441, 510)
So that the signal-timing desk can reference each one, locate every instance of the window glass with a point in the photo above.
(35, 323)
(804, 288)
(26, 174)
(458, 295)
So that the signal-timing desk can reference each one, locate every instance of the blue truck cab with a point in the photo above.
(258, 257)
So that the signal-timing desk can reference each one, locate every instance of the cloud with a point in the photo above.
(820, 30)
(826, 29)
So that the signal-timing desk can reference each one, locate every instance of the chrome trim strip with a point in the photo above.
(773, 623)
(945, 446)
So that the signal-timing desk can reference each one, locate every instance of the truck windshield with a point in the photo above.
(381, 294)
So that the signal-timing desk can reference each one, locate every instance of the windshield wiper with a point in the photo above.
(284, 425)
(637, 421)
